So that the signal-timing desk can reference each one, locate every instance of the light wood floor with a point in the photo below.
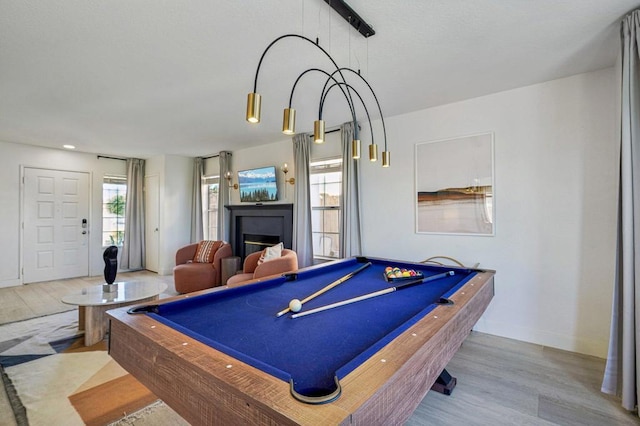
(38, 299)
(508, 382)
(500, 381)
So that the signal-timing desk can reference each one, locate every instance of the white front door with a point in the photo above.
(55, 224)
(152, 222)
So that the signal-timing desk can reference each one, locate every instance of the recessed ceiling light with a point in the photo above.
(69, 146)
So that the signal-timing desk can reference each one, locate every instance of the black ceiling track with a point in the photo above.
(351, 16)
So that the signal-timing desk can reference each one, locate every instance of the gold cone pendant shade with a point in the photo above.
(289, 121)
(373, 152)
(318, 131)
(386, 158)
(253, 107)
(355, 149)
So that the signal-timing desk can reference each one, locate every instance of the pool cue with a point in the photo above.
(374, 294)
(327, 288)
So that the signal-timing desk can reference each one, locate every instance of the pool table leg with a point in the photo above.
(444, 383)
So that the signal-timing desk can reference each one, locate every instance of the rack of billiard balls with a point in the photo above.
(397, 274)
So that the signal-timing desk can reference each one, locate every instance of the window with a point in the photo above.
(210, 187)
(326, 192)
(114, 197)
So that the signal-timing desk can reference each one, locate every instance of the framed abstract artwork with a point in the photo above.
(455, 187)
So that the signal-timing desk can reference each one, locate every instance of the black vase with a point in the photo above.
(110, 257)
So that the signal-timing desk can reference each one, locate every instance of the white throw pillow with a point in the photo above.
(271, 253)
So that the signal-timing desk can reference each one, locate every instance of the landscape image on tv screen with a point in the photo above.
(258, 185)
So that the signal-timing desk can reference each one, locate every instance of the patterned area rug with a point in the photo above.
(51, 378)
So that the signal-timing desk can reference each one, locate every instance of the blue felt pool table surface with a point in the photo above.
(222, 356)
(314, 349)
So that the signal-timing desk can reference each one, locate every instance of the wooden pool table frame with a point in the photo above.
(206, 386)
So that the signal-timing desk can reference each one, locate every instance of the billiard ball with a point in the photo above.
(295, 305)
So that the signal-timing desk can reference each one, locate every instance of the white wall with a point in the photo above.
(556, 159)
(274, 154)
(15, 156)
(175, 180)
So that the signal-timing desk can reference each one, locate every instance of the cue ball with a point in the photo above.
(295, 305)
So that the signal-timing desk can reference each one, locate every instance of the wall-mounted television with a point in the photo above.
(258, 185)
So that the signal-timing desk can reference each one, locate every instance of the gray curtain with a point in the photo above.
(302, 235)
(351, 244)
(197, 233)
(622, 372)
(133, 248)
(223, 196)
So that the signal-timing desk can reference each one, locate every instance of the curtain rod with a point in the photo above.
(112, 158)
(124, 159)
(337, 129)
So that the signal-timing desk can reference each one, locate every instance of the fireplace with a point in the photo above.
(262, 224)
(255, 242)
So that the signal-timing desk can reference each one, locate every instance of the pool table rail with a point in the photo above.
(400, 375)
(206, 386)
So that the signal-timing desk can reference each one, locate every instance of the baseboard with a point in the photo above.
(14, 282)
(576, 344)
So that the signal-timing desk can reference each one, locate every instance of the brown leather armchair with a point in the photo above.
(287, 262)
(190, 276)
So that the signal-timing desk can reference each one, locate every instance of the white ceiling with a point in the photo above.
(141, 78)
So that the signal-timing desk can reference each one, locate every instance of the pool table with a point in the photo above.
(225, 357)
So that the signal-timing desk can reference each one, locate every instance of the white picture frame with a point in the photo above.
(455, 186)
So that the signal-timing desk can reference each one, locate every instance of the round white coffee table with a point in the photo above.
(93, 302)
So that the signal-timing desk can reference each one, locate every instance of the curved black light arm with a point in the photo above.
(330, 77)
(384, 129)
(338, 69)
(349, 87)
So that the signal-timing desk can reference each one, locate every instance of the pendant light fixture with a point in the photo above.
(318, 131)
(289, 121)
(253, 108)
(335, 78)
